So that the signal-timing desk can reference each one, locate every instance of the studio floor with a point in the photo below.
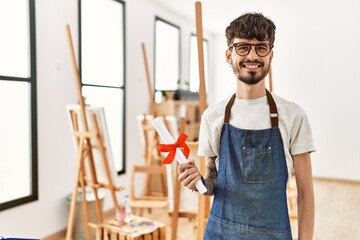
(337, 207)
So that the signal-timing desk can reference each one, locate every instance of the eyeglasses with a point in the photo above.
(243, 49)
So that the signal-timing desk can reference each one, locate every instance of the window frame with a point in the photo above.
(123, 87)
(157, 18)
(34, 195)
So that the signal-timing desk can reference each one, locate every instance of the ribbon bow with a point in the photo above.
(171, 148)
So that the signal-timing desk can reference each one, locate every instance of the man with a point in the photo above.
(252, 141)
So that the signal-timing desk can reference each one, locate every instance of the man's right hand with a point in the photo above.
(189, 174)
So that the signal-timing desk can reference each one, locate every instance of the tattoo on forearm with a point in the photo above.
(210, 178)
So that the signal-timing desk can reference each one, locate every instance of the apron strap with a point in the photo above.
(228, 109)
(274, 117)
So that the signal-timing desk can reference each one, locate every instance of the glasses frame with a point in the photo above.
(251, 45)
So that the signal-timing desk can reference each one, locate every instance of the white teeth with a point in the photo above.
(251, 66)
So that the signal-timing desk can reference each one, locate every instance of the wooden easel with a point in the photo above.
(200, 40)
(204, 201)
(84, 138)
(270, 80)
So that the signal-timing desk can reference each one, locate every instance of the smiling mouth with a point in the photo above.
(251, 66)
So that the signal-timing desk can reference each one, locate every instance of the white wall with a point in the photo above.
(315, 65)
(321, 58)
(56, 89)
(316, 58)
(56, 155)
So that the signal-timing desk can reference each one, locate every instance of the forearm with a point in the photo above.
(305, 193)
(306, 217)
(210, 177)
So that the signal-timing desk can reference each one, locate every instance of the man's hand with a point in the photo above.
(189, 174)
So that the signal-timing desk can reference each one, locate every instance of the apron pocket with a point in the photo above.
(257, 165)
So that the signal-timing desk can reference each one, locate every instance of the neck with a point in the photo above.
(245, 91)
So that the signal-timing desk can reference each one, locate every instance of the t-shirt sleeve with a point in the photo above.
(301, 138)
(206, 137)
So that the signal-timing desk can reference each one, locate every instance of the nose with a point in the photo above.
(252, 54)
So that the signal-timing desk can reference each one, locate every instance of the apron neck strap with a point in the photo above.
(228, 109)
(274, 117)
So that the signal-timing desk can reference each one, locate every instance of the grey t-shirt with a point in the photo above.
(254, 114)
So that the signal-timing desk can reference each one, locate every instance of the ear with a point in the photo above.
(271, 56)
(228, 56)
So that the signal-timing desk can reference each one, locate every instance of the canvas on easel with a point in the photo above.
(73, 112)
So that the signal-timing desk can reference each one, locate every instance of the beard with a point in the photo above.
(251, 78)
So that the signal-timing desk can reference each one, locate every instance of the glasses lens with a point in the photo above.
(242, 49)
(262, 49)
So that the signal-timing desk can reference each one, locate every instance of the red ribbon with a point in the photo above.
(171, 148)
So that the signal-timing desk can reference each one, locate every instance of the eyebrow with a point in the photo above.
(251, 43)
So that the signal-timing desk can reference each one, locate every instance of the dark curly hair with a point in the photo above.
(249, 26)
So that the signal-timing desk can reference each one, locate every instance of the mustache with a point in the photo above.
(252, 61)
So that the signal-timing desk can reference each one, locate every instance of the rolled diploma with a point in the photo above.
(179, 155)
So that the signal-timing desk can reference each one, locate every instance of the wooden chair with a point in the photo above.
(149, 139)
(154, 188)
(141, 201)
(152, 157)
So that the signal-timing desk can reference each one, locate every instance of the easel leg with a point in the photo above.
(70, 227)
(86, 215)
(94, 181)
(204, 207)
(201, 217)
(175, 213)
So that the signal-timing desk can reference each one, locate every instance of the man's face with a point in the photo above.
(249, 68)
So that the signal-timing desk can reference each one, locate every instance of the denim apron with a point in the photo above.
(250, 194)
